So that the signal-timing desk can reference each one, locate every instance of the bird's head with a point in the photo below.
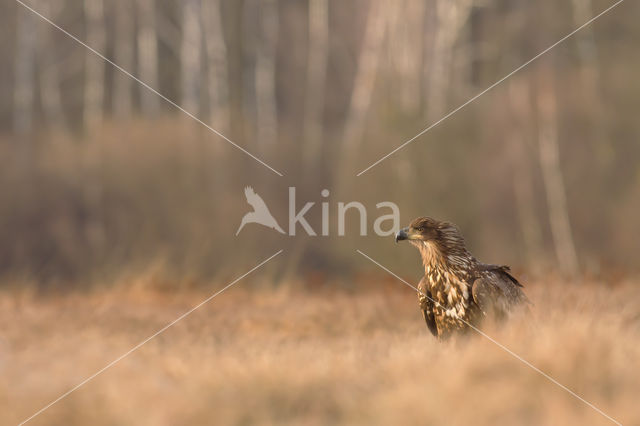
(433, 236)
(420, 229)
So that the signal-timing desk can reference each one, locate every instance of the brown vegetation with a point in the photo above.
(294, 356)
(118, 211)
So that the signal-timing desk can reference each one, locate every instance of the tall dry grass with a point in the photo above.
(324, 356)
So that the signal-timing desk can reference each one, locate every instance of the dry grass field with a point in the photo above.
(129, 132)
(322, 356)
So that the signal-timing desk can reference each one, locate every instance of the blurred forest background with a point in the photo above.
(101, 177)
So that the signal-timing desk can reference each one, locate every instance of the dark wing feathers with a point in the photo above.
(489, 297)
(497, 290)
(504, 269)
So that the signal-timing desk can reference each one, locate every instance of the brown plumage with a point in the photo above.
(457, 289)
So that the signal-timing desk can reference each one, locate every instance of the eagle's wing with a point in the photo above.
(426, 305)
(497, 291)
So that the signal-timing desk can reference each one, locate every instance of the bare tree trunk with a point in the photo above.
(217, 66)
(123, 47)
(518, 129)
(451, 17)
(552, 174)
(147, 42)
(265, 77)
(95, 229)
(525, 204)
(317, 59)
(50, 92)
(407, 51)
(190, 55)
(582, 12)
(94, 66)
(590, 76)
(24, 89)
(365, 77)
(237, 70)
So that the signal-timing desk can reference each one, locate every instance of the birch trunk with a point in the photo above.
(590, 75)
(450, 19)
(123, 52)
(23, 94)
(147, 42)
(365, 78)
(265, 76)
(317, 59)
(94, 66)
(552, 175)
(218, 80)
(190, 56)
(407, 50)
